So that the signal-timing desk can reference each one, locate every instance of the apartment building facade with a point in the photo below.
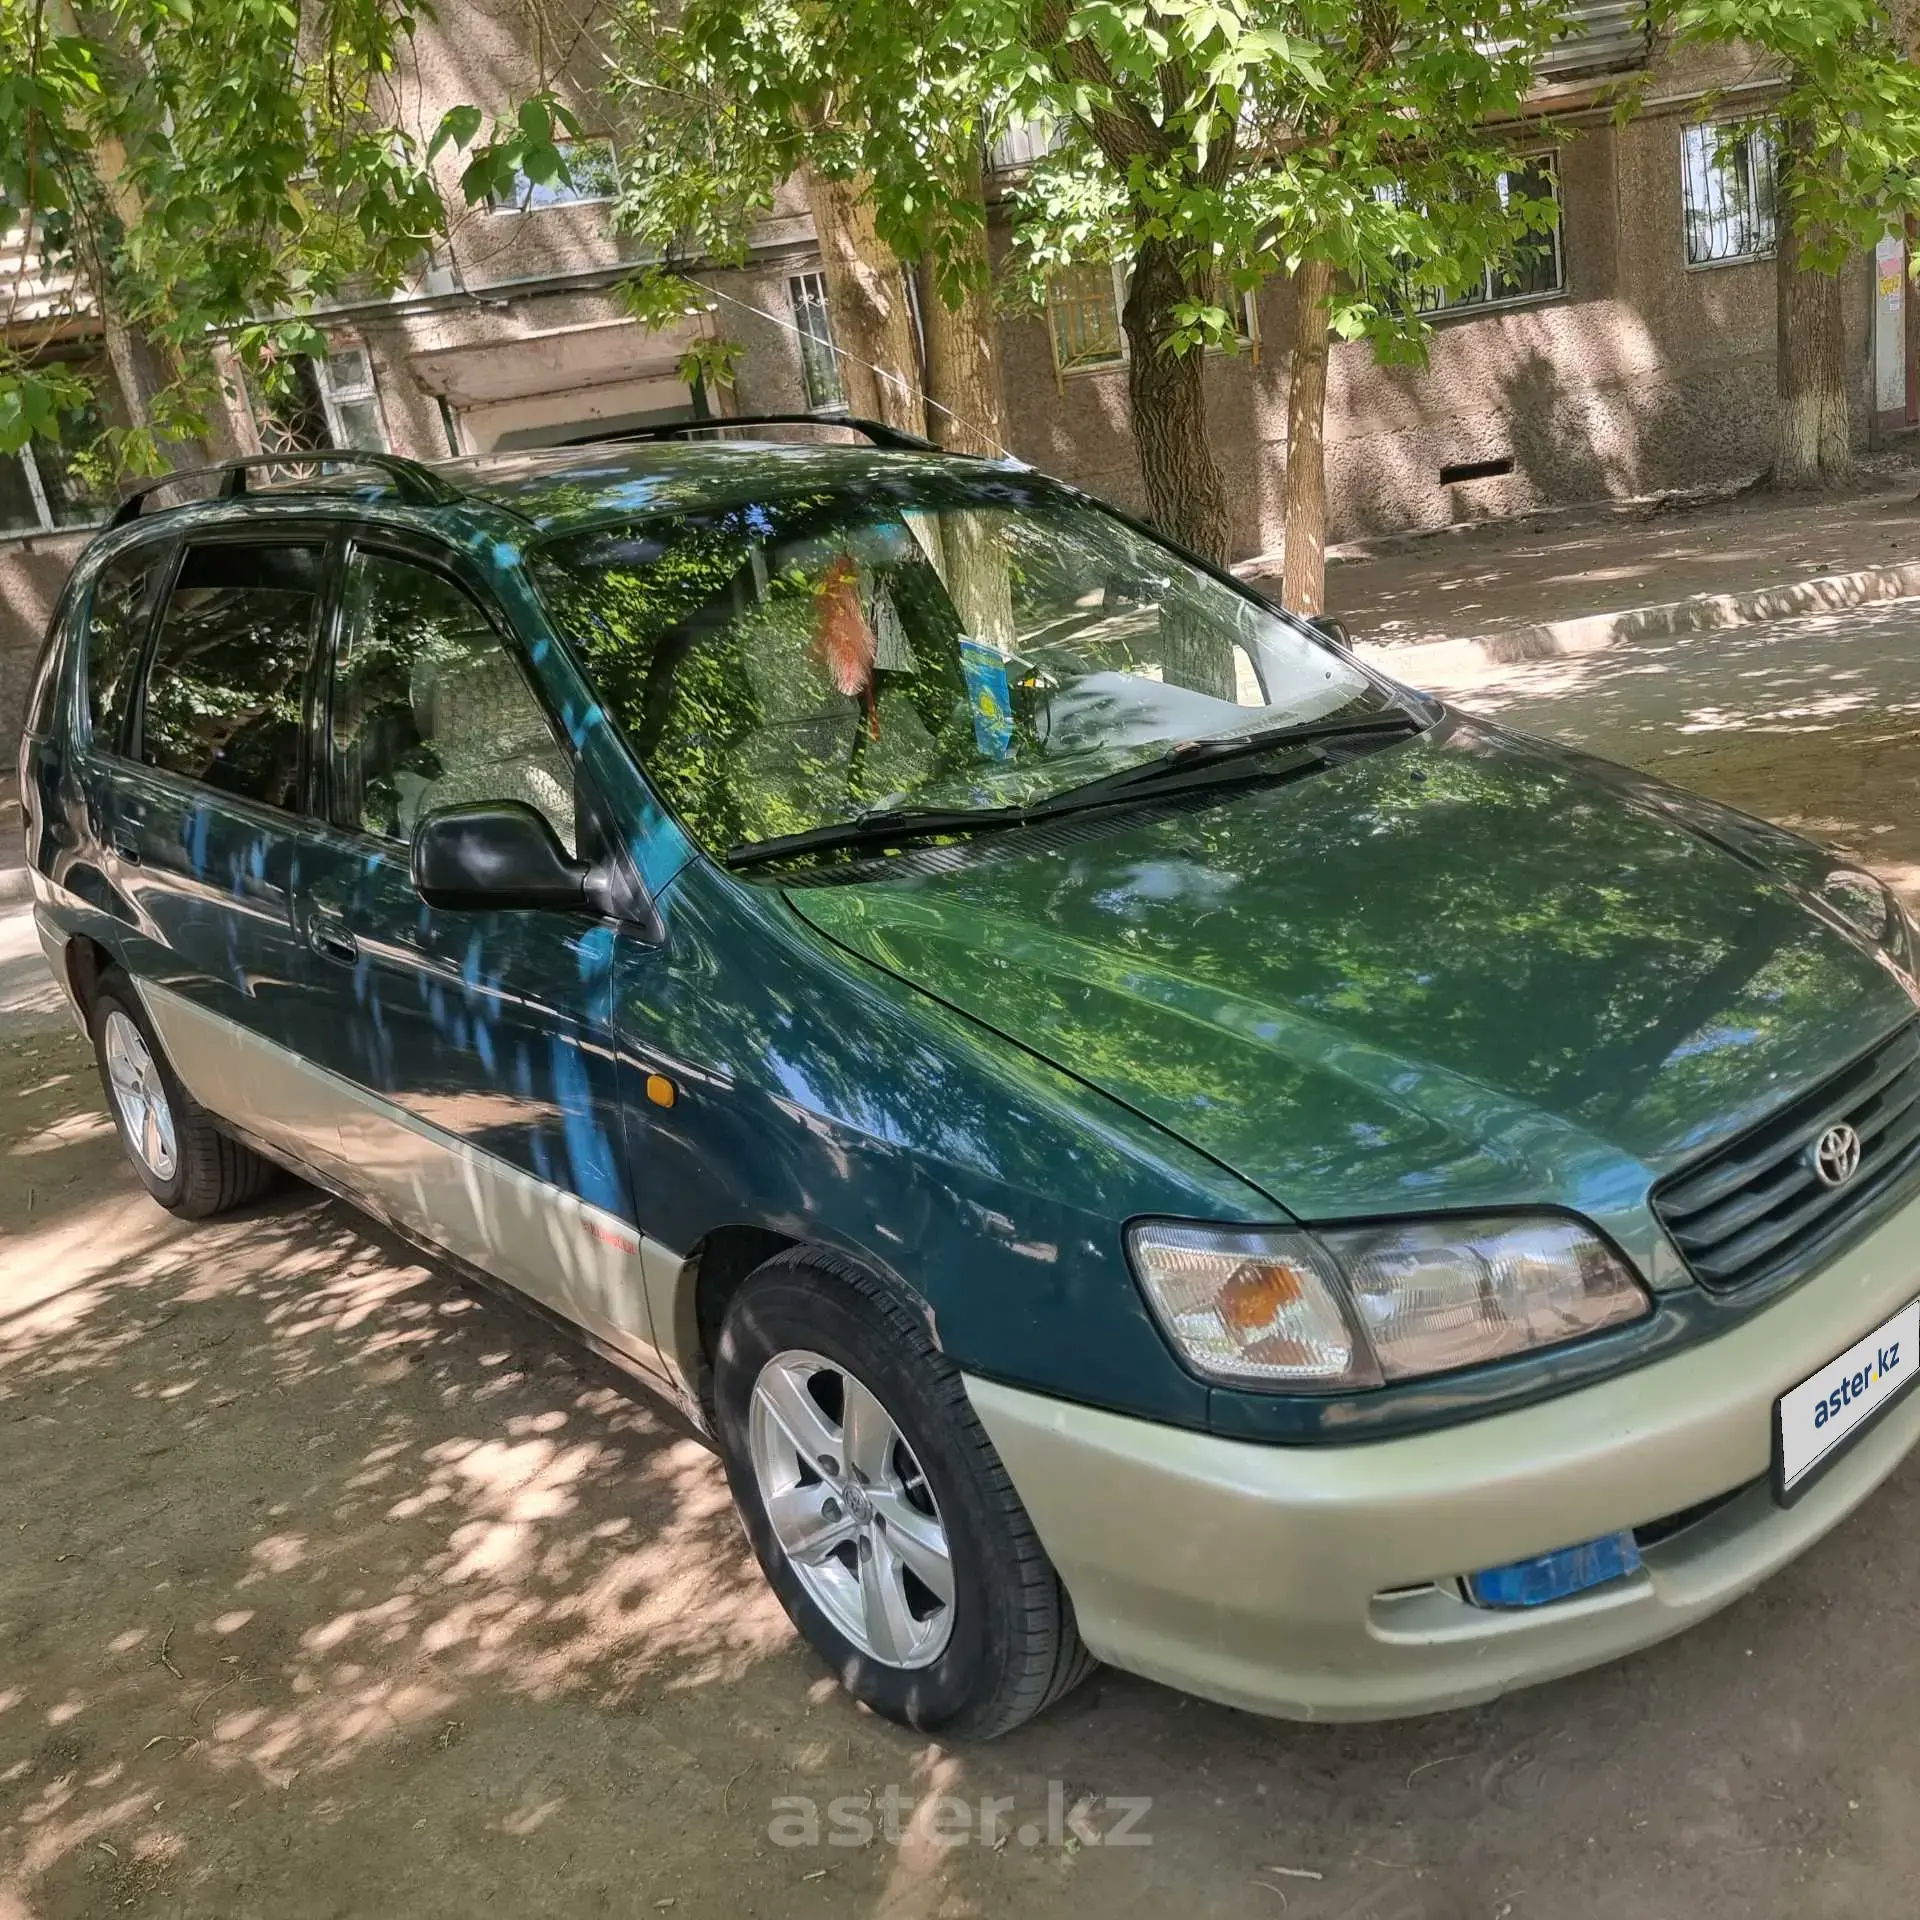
(1633, 354)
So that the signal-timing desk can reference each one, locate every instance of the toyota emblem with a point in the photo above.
(1836, 1156)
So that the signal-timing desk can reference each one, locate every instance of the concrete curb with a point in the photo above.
(1702, 613)
(16, 883)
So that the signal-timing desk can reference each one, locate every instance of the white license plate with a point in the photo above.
(1814, 1421)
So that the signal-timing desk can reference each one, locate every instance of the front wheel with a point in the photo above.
(878, 1508)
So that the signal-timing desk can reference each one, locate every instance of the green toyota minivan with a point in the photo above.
(1137, 1137)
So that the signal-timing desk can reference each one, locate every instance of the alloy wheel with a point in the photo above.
(851, 1509)
(145, 1113)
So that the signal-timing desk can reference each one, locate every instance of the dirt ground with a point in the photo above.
(327, 1588)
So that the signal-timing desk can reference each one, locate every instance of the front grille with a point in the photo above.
(1755, 1209)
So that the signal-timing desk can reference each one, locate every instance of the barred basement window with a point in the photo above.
(819, 365)
(1727, 180)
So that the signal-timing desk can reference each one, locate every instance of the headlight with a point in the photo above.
(1357, 1306)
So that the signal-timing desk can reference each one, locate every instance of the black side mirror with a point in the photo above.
(495, 853)
(1333, 627)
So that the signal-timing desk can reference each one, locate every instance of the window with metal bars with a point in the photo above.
(819, 367)
(1727, 179)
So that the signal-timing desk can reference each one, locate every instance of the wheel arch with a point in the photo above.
(86, 960)
(720, 1263)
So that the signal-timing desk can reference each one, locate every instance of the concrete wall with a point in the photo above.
(1643, 375)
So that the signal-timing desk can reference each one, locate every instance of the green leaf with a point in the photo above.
(457, 126)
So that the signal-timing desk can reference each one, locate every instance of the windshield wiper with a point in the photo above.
(894, 826)
(1188, 757)
(888, 827)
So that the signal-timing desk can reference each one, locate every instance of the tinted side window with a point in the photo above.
(223, 700)
(117, 619)
(429, 709)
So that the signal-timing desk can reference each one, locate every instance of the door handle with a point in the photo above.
(330, 937)
(127, 848)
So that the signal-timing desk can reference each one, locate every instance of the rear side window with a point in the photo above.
(224, 701)
(117, 618)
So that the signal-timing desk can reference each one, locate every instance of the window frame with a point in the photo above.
(1248, 332)
(415, 550)
(1750, 124)
(266, 425)
(524, 189)
(1546, 159)
(165, 549)
(797, 283)
(333, 396)
(46, 524)
(326, 536)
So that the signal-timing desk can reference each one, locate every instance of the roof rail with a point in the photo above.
(895, 439)
(417, 485)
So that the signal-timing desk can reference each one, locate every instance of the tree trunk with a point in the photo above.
(867, 292)
(1186, 496)
(1815, 446)
(964, 406)
(1303, 580)
(964, 412)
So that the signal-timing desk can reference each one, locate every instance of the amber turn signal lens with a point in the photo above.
(661, 1090)
(1258, 1293)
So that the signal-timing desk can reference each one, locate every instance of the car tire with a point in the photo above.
(1003, 1646)
(177, 1148)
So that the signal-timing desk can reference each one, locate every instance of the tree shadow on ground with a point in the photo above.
(1814, 723)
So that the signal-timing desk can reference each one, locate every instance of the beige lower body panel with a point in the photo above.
(583, 1263)
(53, 945)
(1316, 1582)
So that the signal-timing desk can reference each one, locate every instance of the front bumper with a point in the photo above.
(1315, 1582)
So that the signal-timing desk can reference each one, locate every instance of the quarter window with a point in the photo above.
(429, 709)
(118, 616)
(224, 699)
(1727, 192)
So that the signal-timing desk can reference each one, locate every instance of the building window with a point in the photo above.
(819, 366)
(322, 403)
(594, 177)
(353, 408)
(1727, 192)
(1022, 144)
(1083, 316)
(39, 490)
(1535, 270)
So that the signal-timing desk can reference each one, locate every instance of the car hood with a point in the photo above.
(1468, 969)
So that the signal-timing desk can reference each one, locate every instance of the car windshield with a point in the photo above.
(940, 644)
